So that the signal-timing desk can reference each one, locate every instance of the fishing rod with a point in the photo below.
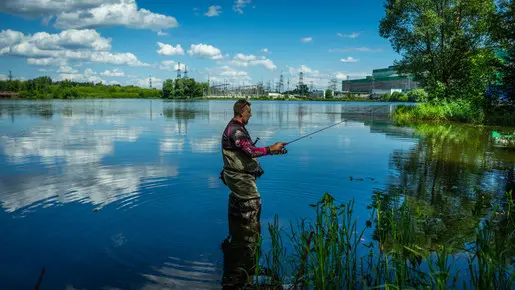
(302, 137)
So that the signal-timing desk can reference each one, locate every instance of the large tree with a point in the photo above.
(445, 43)
(504, 32)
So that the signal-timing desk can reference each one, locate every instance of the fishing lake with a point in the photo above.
(124, 194)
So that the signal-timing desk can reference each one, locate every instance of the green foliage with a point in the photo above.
(460, 110)
(418, 95)
(44, 88)
(504, 33)
(185, 88)
(328, 94)
(445, 44)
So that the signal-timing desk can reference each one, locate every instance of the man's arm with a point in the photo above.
(241, 141)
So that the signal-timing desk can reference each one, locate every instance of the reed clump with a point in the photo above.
(329, 251)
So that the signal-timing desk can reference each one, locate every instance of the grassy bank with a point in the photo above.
(328, 252)
(455, 110)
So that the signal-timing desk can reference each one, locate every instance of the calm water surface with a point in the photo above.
(124, 194)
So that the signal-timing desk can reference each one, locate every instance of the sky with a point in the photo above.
(239, 41)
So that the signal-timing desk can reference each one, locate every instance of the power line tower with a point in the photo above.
(288, 84)
(10, 76)
(333, 85)
(269, 87)
(301, 79)
(208, 86)
(179, 71)
(150, 81)
(281, 83)
(185, 71)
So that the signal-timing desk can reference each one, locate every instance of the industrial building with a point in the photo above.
(382, 81)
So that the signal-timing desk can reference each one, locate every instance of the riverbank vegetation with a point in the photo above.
(462, 54)
(45, 88)
(330, 251)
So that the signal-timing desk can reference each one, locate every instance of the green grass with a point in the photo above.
(444, 110)
(327, 251)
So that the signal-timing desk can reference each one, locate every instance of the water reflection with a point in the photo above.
(156, 182)
(450, 179)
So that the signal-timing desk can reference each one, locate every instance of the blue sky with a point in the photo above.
(240, 41)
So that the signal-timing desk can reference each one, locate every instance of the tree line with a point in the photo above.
(45, 88)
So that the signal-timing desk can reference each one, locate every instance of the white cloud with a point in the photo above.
(87, 76)
(171, 65)
(213, 11)
(44, 70)
(265, 50)
(205, 51)
(341, 76)
(251, 60)
(167, 49)
(226, 73)
(306, 39)
(349, 60)
(49, 61)
(9, 37)
(69, 39)
(352, 35)
(90, 13)
(115, 13)
(117, 58)
(302, 68)
(114, 73)
(56, 49)
(234, 73)
(66, 70)
(3, 77)
(239, 5)
(355, 49)
(162, 33)
(72, 39)
(42, 8)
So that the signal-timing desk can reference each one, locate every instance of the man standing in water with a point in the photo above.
(241, 169)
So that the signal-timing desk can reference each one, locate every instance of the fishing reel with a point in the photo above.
(279, 152)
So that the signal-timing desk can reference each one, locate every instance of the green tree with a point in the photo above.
(328, 94)
(504, 33)
(168, 89)
(446, 44)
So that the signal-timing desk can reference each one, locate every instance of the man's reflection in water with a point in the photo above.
(240, 247)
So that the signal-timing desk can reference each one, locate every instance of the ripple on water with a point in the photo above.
(183, 274)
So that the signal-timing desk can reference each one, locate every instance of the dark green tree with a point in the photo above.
(446, 44)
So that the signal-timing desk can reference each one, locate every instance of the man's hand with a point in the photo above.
(278, 148)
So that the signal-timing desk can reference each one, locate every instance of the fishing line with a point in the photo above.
(315, 132)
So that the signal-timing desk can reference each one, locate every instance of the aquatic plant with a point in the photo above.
(328, 251)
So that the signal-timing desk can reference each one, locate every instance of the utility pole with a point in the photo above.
(185, 71)
(150, 81)
(10, 76)
(281, 83)
(179, 71)
(208, 86)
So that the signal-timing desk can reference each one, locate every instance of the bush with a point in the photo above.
(418, 95)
